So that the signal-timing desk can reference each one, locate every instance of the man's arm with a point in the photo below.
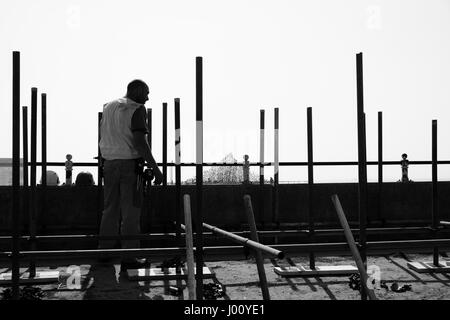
(143, 148)
(139, 129)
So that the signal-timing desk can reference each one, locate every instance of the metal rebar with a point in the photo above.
(178, 198)
(312, 262)
(16, 212)
(380, 166)
(258, 256)
(362, 166)
(434, 186)
(33, 218)
(189, 247)
(352, 244)
(261, 166)
(246, 242)
(199, 175)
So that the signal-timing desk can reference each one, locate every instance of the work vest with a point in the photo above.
(116, 137)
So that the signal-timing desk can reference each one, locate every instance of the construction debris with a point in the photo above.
(27, 293)
(212, 291)
(397, 288)
(175, 262)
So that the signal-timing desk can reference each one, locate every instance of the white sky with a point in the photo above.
(257, 55)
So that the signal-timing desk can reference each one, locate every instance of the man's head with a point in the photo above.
(137, 90)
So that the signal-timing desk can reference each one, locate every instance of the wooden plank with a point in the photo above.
(318, 271)
(163, 274)
(429, 267)
(41, 277)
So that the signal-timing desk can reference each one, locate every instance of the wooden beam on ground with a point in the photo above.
(429, 267)
(40, 277)
(163, 274)
(322, 271)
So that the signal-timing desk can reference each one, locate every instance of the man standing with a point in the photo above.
(124, 147)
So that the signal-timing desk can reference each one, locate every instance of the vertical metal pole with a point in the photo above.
(43, 156)
(312, 263)
(15, 175)
(26, 194)
(33, 211)
(275, 173)
(178, 171)
(380, 167)
(149, 125)
(258, 254)
(99, 173)
(261, 165)
(163, 202)
(44, 143)
(434, 201)
(164, 151)
(199, 176)
(148, 202)
(362, 165)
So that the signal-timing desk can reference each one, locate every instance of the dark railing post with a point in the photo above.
(178, 171)
(15, 175)
(362, 164)
(199, 177)
(434, 186)
(312, 263)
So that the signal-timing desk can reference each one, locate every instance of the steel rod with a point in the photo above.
(99, 173)
(163, 197)
(245, 241)
(312, 262)
(26, 191)
(352, 244)
(362, 166)
(258, 256)
(43, 200)
(434, 184)
(164, 144)
(261, 166)
(16, 212)
(189, 248)
(199, 175)
(219, 250)
(257, 164)
(178, 198)
(380, 166)
(33, 219)
(275, 217)
(279, 233)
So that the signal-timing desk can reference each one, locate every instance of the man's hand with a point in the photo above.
(158, 176)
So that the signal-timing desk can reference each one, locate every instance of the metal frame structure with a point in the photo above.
(201, 251)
